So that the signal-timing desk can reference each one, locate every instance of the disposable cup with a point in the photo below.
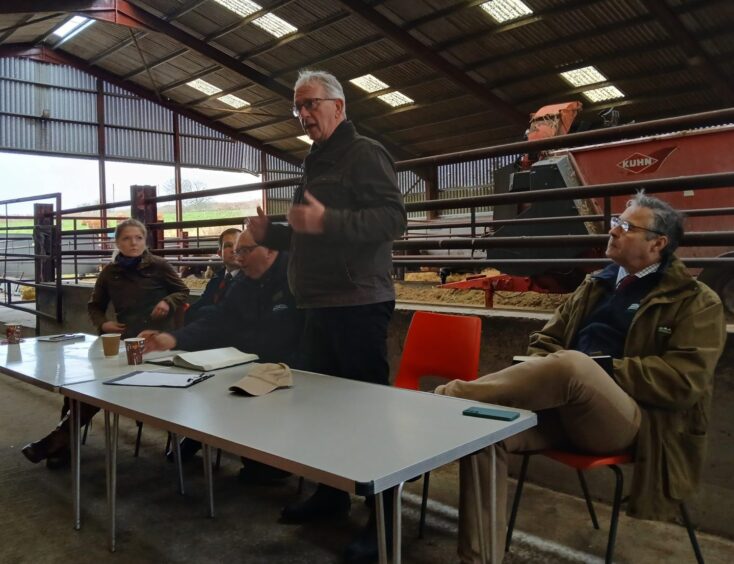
(134, 350)
(111, 344)
(13, 333)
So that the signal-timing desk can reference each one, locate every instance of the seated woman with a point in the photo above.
(145, 292)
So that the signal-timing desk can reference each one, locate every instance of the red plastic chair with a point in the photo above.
(439, 345)
(581, 462)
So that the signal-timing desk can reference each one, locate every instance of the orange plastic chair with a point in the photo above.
(581, 462)
(439, 345)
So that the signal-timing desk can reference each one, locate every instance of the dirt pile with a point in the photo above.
(422, 287)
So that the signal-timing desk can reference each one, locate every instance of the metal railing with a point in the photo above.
(82, 249)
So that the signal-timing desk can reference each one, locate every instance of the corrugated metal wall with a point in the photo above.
(413, 189)
(53, 108)
(280, 198)
(35, 96)
(203, 146)
(474, 178)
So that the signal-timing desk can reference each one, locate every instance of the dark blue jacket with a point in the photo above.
(256, 316)
(211, 295)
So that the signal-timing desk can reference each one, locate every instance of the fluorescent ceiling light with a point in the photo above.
(204, 86)
(583, 76)
(505, 10)
(603, 94)
(274, 25)
(396, 99)
(306, 139)
(233, 101)
(240, 7)
(369, 83)
(271, 23)
(71, 25)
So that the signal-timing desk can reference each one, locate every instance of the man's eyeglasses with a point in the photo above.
(310, 104)
(626, 226)
(246, 250)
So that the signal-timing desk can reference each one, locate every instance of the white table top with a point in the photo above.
(52, 365)
(358, 437)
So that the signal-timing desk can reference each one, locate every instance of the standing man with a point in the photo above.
(665, 333)
(220, 283)
(345, 216)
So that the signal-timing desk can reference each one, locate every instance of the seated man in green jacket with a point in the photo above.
(665, 333)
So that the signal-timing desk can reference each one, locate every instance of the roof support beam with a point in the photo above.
(696, 56)
(425, 54)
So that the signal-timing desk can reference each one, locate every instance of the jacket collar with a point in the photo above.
(673, 277)
(337, 143)
(278, 268)
(145, 260)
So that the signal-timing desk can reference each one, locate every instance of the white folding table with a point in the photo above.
(358, 437)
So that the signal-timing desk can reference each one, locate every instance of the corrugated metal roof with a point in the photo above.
(519, 60)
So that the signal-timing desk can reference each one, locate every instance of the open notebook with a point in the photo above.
(212, 359)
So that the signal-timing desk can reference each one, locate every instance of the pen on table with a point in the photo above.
(200, 377)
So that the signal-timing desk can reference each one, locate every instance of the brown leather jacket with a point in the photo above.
(134, 292)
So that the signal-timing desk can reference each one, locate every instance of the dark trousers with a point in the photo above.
(349, 342)
(86, 412)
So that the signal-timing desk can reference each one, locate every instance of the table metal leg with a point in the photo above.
(111, 433)
(179, 466)
(209, 479)
(478, 507)
(381, 537)
(492, 505)
(75, 461)
(397, 523)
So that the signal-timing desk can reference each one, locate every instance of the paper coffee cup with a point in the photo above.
(13, 333)
(111, 344)
(134, 350)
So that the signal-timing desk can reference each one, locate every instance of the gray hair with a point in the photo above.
(666, 220)
(332, 86)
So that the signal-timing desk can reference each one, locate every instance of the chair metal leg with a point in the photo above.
(691, 533)
(516, 500)
(424, 502)
(86, 430)
(168, 443)
(615, 512)
(219, 459)
(587, 497)
(137, 439)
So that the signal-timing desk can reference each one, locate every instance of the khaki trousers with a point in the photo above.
(579, 406)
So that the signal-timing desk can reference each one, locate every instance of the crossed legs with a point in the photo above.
(579, 406)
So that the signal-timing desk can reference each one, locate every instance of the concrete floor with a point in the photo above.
(156, 524)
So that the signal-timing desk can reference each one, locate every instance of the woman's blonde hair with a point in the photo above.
(130, 222)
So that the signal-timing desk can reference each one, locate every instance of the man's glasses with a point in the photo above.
(246, 250)
(310, 104)
(626, 226)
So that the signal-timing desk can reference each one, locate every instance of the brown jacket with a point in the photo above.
(134, 292)
(670, 353)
